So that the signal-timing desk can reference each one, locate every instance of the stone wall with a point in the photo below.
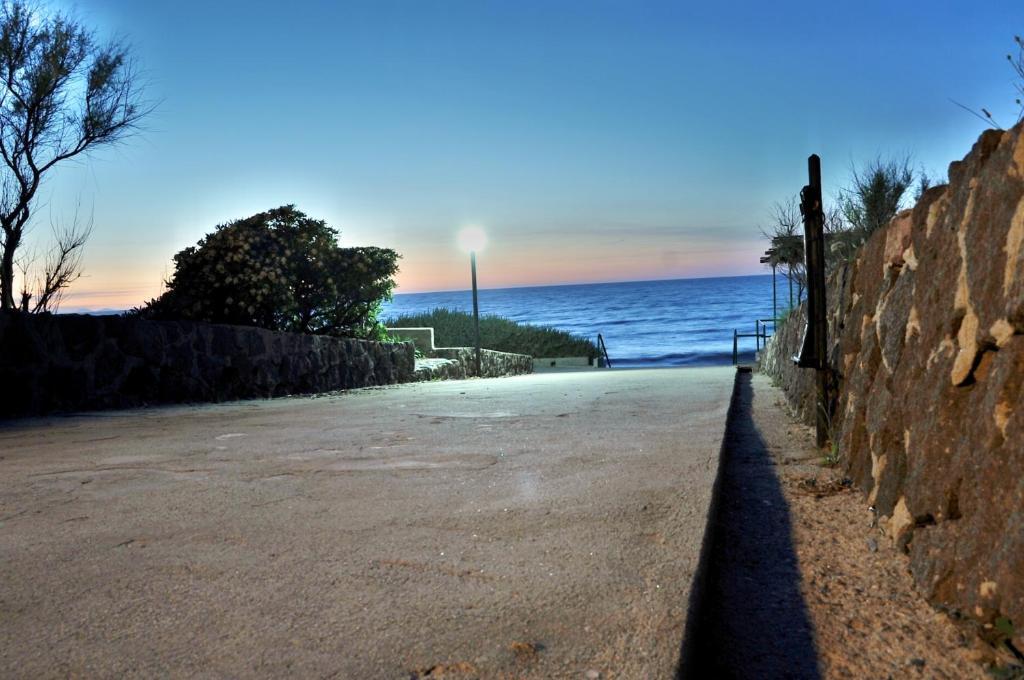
(775, 360)
(439, 369)
(76, 362)
(928, 350)
(492, 364)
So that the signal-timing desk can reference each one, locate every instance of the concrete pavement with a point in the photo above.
(538, 526)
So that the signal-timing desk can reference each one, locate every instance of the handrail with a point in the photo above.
(761, 331)
(603, 350)
(760, 336)
(736, 335)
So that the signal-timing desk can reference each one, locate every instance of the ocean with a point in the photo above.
(682, 322)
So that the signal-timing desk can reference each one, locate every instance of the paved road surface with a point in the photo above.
(539, 526)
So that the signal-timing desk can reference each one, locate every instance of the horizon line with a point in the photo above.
(579, 283)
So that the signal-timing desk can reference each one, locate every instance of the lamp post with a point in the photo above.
(769, 259)
(472, 239)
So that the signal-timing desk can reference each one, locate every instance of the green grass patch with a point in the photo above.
(455, 329)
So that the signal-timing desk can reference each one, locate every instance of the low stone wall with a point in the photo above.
(460, 361)
(492, 364)
(439, 369)
(927, 345)
(78, 362)
(776, 360)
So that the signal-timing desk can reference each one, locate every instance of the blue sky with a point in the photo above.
(592, 140)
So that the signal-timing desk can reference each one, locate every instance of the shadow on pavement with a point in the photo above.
(748, 618)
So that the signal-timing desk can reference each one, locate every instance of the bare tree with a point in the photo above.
(25, 263)
(835, 223)
(62, 94)
(62, 267)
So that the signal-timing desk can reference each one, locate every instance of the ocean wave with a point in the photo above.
(682, 359)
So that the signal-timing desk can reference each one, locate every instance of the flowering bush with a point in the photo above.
(279, 270)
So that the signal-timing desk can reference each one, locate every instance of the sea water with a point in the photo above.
(682, 322)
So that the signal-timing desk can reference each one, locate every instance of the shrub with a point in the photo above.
(875, 195)
(280, 270)
(455, 329)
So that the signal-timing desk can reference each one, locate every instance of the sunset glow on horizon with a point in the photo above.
(501, 265)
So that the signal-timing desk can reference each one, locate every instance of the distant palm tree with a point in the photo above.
(785, 232)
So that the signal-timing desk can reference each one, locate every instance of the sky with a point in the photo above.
(592, 140)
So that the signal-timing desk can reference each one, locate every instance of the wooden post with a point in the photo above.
(817, 326)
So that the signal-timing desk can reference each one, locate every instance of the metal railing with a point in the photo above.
(760, 336)
(761, 329)
(602, 357)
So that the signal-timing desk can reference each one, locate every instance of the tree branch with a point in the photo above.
(63, 263)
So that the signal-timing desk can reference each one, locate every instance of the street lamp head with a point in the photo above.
(472, 239)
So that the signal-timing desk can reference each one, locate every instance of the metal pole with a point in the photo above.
(775, 304)
(476, 311)
(735, 345)
(757, 334)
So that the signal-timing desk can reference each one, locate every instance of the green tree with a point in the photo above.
(281, 270)
(62, 94)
